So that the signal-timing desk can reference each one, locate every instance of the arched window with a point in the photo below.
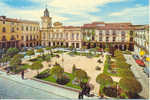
(4, 29)
(4, 38)
(72, 36)
(12, 29)
(27, 38)
(12, 37)
(30, 37)
(123, 33)
(30, 28)
(77, 36)
(27, 28)
(114, 32)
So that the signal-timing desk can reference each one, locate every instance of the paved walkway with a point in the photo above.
(13, 87)
(140, 75)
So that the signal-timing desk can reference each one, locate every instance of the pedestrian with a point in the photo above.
(8, 70)
(22, 74)
(80, 95)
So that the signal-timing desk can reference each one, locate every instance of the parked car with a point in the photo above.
(135, 57)
(140, 62)
(146, 70)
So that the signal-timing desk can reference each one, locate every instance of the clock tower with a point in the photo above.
(46, 20)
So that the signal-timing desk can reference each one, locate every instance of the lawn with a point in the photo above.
(69, 84)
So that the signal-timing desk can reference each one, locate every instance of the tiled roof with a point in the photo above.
(106, 26)
(70, 27)
(4, 18)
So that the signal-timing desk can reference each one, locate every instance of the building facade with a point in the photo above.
(58, 35)
(116, 35)
(18, 33)
(141, 39)
(24, 33)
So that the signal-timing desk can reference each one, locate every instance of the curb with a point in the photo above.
(58, 85)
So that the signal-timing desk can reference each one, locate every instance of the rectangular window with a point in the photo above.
(107, 32)
(114, 39)
(107, 39)
(3, 22)
(100, 38)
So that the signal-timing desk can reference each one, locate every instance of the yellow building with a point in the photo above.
(18, 33)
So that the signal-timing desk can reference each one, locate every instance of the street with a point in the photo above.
(140, 75)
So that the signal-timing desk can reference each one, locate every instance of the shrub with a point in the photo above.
(64, 80)
(81, 75)
(110, 91)
(122, 64)
(42, 75)
(104, 80)
(130, 85)
(125, 73)
(107, 50)
(127, 52)
(99, 61)
(98, 68)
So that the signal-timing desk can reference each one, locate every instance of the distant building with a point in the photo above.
(117, 35)
(141, 39)
(24, 33)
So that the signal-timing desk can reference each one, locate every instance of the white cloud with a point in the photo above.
(79, 6)
(29, 14)
(137, 15)
(137, 11)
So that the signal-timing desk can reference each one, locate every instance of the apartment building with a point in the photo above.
(116, 35)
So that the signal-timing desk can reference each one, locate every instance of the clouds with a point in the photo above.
(77, 12)
(138, 14)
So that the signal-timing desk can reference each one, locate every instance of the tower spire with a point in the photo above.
(46, 12)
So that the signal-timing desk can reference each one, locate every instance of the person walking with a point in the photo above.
(8, 70)
(22, 74)
(80, 95)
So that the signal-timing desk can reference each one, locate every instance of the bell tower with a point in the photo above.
(46, 20)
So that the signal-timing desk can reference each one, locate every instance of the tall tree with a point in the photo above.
(57, 71)
(104, 80)
(15, 62)
(36, 66)
(12, 51)
(49, 49)
(71, 48)
(30, 53)
(81, 75)
(130, 85)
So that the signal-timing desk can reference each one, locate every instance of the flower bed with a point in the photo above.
(69, 83)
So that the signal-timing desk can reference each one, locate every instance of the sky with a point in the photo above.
(78, 12)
